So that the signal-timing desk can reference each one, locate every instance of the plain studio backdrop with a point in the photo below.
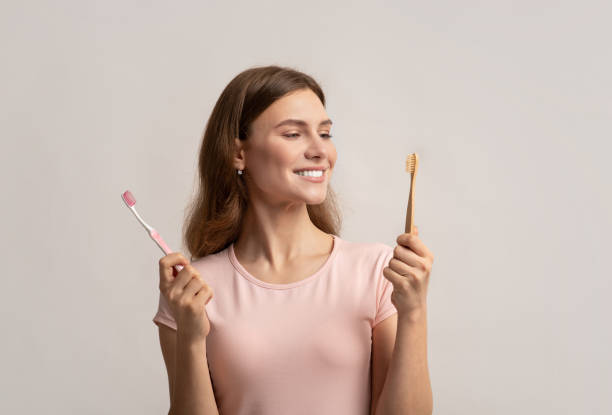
(508, 105)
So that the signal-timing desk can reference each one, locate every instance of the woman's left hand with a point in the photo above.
(409, 271)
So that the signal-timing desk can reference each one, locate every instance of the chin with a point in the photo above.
(316, 200)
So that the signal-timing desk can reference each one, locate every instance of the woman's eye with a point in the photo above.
(291, 135)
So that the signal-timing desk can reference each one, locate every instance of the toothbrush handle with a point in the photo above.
(410, 209)
(163, 246)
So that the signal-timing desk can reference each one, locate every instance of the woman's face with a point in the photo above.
(277, 148)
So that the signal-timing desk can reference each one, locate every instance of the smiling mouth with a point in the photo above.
(310, 173)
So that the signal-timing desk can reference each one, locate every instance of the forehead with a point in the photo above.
(302, 104)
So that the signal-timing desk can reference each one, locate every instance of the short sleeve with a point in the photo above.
(384, 288)
(164, 314)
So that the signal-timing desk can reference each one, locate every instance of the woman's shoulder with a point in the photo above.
(365, 249)
(211, 261)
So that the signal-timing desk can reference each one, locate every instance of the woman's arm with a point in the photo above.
(192, 392)
(407, 389)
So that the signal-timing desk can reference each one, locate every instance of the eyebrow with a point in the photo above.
(301, 122)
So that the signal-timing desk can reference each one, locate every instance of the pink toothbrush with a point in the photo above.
(130, 201)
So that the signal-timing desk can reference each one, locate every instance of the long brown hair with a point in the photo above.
(216, 212)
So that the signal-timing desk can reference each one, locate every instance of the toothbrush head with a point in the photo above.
(128, 198)
(412, 163)
(130, 201)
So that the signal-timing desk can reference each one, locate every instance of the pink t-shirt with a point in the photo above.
(300, 348)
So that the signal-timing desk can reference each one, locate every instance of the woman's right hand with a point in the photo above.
(187, 295)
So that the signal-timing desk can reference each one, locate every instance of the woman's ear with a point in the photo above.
(238, 154)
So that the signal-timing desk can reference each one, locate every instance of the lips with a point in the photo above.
(310, 168)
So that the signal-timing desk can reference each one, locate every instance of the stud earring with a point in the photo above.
(239, 171)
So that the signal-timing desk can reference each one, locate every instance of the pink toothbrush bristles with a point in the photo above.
(129, 198)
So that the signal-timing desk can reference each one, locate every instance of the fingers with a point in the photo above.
(204, 295)
(192, 287)
(196, 292)
(166, 267)
(412, 241)
(188, 286)
(167, 263)
(408, 257)
(395, 278)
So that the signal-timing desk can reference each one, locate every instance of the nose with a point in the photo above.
(317, 147)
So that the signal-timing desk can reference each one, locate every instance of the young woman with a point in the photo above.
(275, 313)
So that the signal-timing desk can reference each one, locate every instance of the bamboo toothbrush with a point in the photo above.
(412, 165)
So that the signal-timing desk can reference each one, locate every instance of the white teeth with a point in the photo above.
(311, 173)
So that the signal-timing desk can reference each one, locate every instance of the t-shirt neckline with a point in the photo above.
(242, 270)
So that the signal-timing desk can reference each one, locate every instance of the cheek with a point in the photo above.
(281, 154)
(271, 163)
(265, 156)
(332, 154)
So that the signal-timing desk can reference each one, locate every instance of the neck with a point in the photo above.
(277, 236)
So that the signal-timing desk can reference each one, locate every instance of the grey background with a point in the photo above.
(508, 105)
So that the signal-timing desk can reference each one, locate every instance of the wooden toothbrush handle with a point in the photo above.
(410, 209)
